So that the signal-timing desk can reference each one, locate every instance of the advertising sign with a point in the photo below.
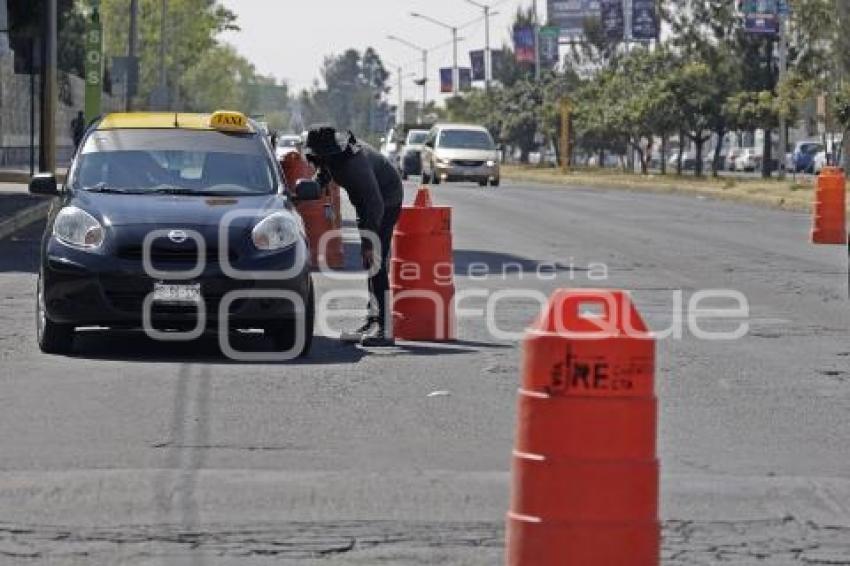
(465, 79)
(644, 20)
(613, 19)
(524, 44)
(761, 16)
(93, 67)
(446, 80)
(549, 53)
(570, 15)
(476, 59)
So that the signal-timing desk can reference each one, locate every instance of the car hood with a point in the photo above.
(413, 147)
(127, 210)
(470, 154)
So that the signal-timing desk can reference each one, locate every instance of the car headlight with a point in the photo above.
(491, 163)
(77, 228)
(277, 231)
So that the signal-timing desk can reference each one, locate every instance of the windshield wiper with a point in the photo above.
(103, 188)
(169, 190)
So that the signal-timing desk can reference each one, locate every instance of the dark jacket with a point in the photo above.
(370, 179)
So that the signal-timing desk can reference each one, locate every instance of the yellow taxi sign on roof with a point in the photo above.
(229, 121)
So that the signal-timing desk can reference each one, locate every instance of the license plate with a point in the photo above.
(168, 293)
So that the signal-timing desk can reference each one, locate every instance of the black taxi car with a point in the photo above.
(175, 224)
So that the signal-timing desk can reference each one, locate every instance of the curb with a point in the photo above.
(23, 218)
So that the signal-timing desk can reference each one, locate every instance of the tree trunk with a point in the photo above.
(715, 163)
(698, 143)
(681, 151)
(664, 142)
(601, 158)
(645, 157)
(766, 154)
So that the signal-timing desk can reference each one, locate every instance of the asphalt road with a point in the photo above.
(138, 453)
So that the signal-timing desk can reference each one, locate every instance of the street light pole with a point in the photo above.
(49, 99)
(488, 65)
(536, 43)
(783, 68)
(453, 29)
(132, 47)
(424, 53)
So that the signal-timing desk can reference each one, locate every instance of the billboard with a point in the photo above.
(446, 80)
(476, 59)
(613, 19)
(549, 54)
(761, 16)
(497, 63)
(465, 80)
(644, 20)
(524, 44)
(570, 15)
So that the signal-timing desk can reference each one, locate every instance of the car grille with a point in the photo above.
(187, 254)
(467, 163)
(127, 294)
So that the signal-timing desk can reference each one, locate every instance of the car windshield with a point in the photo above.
(810, 148)
(465, 139)
(417, 138)
(174, 161)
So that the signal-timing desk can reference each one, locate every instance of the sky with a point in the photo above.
(289, 39)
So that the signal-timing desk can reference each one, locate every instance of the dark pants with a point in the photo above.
(379, 284)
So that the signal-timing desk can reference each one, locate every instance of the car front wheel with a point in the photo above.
(53, 338)
(284, 333)
(495, 182)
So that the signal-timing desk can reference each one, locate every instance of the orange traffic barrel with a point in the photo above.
(829, 222)
(422, 272)
(320, 216)
(585, 473)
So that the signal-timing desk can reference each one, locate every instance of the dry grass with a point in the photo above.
(792, 194)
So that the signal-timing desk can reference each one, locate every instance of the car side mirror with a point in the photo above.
(44, 184)
(307, 189)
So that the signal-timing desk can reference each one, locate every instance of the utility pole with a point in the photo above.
(132, 49)
(488, 65)
(453, 29)
(424, 53)
(455, 71)
(49, 98)
(162, 90)
(536, 43)
(783, 69)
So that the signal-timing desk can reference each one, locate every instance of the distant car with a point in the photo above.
(803, 156)
(748, 160)
(460, 152)
(174, 222)
(411, 155)
(286, 144)
(732, 157)
(688, 161)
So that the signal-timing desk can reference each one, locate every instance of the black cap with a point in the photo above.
(323, 141)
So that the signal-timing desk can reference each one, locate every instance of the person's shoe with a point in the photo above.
(378, 339)
(356, 336)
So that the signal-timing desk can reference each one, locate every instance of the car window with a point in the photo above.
(417, 137)
(465, 139)
(148, 161)
(810, 148)
(287, 142)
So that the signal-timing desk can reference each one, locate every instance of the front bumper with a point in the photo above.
(86, 289)
(455, 172)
